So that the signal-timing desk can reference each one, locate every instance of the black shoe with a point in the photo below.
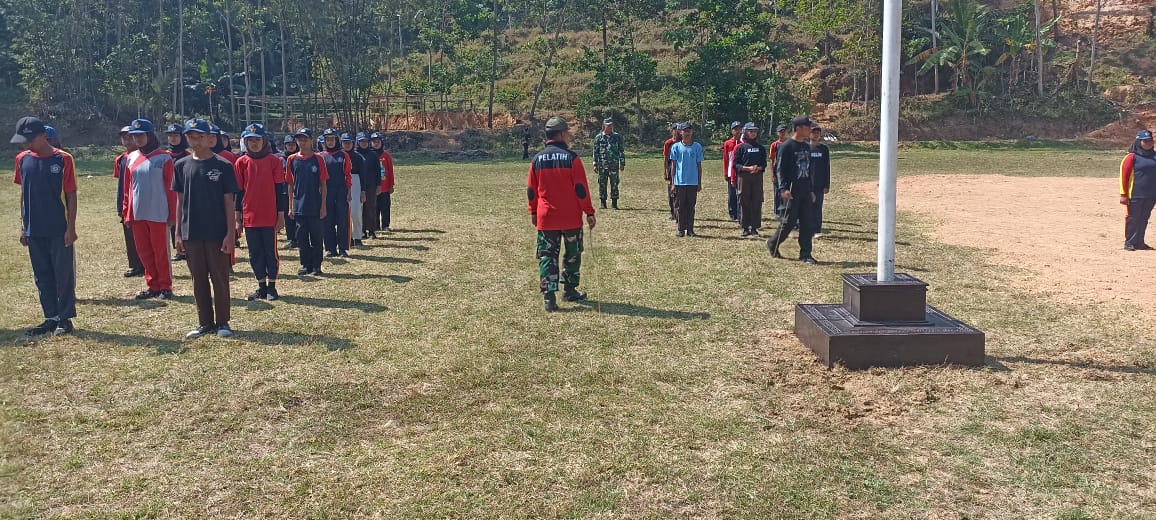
(201, 331)
(691, 234)
(671, 217)
(809, 261)
(373, 235)
(1143, 247)
(146, 294)
(260, 294)
(304, 271)
(773, 248)
(680, 234)
(746, 233)
(357, 243)
(614, 204)
(754, 232)
(271, 294)
(291, 245)
(343, 254)
(224, 331)
(573, 295)
(331, 254)
(317, 271)
(551, 302)
(1129, 247)
(63, 327)
(42, 329)
(603, 204)
(178, 257)
(166, 294)
(133, 273)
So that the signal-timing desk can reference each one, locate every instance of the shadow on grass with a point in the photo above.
(1120, 369)
(626, 309)
(437, 231)
(353, 276)
(162, 346)
(407, 239)
(277, 339)
(326, 303)
(387, 259)
(403, 246)
(122, 302)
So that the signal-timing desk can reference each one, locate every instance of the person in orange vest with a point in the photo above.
(1138, 190)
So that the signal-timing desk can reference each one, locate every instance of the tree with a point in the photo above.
(961, 45)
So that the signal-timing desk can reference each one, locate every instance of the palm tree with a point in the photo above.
(961, 44)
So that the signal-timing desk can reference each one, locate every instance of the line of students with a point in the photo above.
(194, 201)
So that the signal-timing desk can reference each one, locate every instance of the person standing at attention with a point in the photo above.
(675, 136)
(686, 161)
(609, 161)
(150, 206)
(135, 267)
(728, 157)
(1138, 190)
(821, 156)
(261, 200)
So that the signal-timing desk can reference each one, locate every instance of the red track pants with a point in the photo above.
(152, 245)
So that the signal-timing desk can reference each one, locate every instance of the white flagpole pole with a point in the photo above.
(889, 137)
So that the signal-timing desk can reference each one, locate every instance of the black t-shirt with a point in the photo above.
(793, 166)
(821, 165)
(202, 186)
(750, 153)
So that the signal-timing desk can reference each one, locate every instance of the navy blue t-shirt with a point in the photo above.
(306, 176)
(43, 182)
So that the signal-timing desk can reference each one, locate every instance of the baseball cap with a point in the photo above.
(27, 128)
(198, 125)
(375, 135)
(362, 137)
(141, 126)
(124, 130)
(288, 139)
(608, 121)
(347, 137)
(781, 128)
(174, 128)
(304, 132)
(685, 126)
(750, 126)
(736, 124)
(816, 128)
(801, 121)
(328, 132)
(1144, 135)
(253, 130)
(50, 132)
(556, 124)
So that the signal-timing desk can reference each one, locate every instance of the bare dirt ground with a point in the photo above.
(1068, 232)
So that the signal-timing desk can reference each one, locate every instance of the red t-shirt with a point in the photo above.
(387, 181)
(228, 156)
(666, 158)
(259, 178)
(728, 156)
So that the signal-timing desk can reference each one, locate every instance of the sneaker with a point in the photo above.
(746, 233)
(680, 234)
(1129, 247)
(200, 331)
(260, 294)
(42, 329)
(271, 294)
(604, 204)
(691, 234)
(817, 236)
(754, 232)
(178, 257)
(224, 331)
(331, 254)
(387, 230)
(316, 271)
(343, 254)
(304, 271)
(133, 273)
(809, 261)
(614, 204)
(373, 234)
(166, 294)
(773, 248)
(291, 245)
(573, 295)
(63, 327)
(551, 302)
(146, 294)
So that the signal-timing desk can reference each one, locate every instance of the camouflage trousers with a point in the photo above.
(607, 177)
(549, 246)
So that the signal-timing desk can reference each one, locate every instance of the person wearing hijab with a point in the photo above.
(356, 189)
(118, 166)
(261, 202)
(289, 145)
(222, 146)
(178, 149)
(340, 179)
(370, 184)
(150, 206)
(1138, 190)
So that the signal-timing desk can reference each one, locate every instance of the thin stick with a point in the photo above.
(593, 271)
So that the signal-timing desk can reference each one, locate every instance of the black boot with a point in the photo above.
(603, 203)
(551, 302)
(614, 203)
(573, 295)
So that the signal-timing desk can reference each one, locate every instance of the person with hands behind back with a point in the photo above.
(558, 196)
(1138, 190)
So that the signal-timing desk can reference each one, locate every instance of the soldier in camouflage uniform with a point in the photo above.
(609, 161)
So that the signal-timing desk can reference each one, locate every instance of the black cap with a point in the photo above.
(288, 139)
(801, 121)
(735, 124)
(27, 128)
(816, 128)
(304, 132)
(750, 126)
(781, 128)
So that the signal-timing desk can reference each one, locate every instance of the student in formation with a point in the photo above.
(821, 156)
(306, 174)
(728, 159)
(675, 136)
(47, 180)
(686, 163)
(150, 207)
(356, 189)
(795, 173)
(780, 138)
(205, 184)
(261, 202)
(222, 146)
(178, 148)
(289, 146)
(53, 137)
(1138, 190)
(135, 267)
(749, 165)
(558, 196)
(385, 197)
(339, 174)
(370, 185)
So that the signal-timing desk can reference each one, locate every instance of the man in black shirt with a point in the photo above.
(750, 161)
(794, 173)
(205, 185)
(821, 157)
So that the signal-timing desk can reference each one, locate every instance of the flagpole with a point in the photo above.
(889, 137)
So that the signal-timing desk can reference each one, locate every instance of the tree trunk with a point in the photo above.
(1055, 13)
(284, 84)
(247, 52)
(493, 68)
(549, 61)
(605, 41)
(229, 49)
(935, 37)
(1039, 52)
(1095, 42)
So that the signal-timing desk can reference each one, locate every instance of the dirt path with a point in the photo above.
(1068, 231)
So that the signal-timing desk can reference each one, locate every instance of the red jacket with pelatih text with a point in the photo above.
(557, 189)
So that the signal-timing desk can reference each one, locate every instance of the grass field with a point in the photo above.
(420, 379)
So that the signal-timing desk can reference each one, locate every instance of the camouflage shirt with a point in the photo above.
(608, 152)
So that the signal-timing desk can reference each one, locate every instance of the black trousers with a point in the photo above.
(685, 198)
(54, 271)
(263, 252)
(134, 262)
(337, 222)
(818, 224)
(750, 195)
(778, 201)
(1136, 225)
(383, 207)
(732, 201)
(800, 213)
(670, 200)
(209, 269)
(290, 228)
(368, 215)
(309, 233)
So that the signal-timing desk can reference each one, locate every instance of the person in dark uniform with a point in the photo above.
(290, 147)
(340, 179)
(356, 188)
(206, 186)
(178, 149)
(794, 171)
(370, 184)
(119, 166)
(675, 136)
(1138, 190)
(558, 196)
(781, 137)
(47, 180)
(821, 157)
(307, 177)
(749, 165)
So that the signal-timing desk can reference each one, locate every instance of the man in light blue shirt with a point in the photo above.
(686, 162)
